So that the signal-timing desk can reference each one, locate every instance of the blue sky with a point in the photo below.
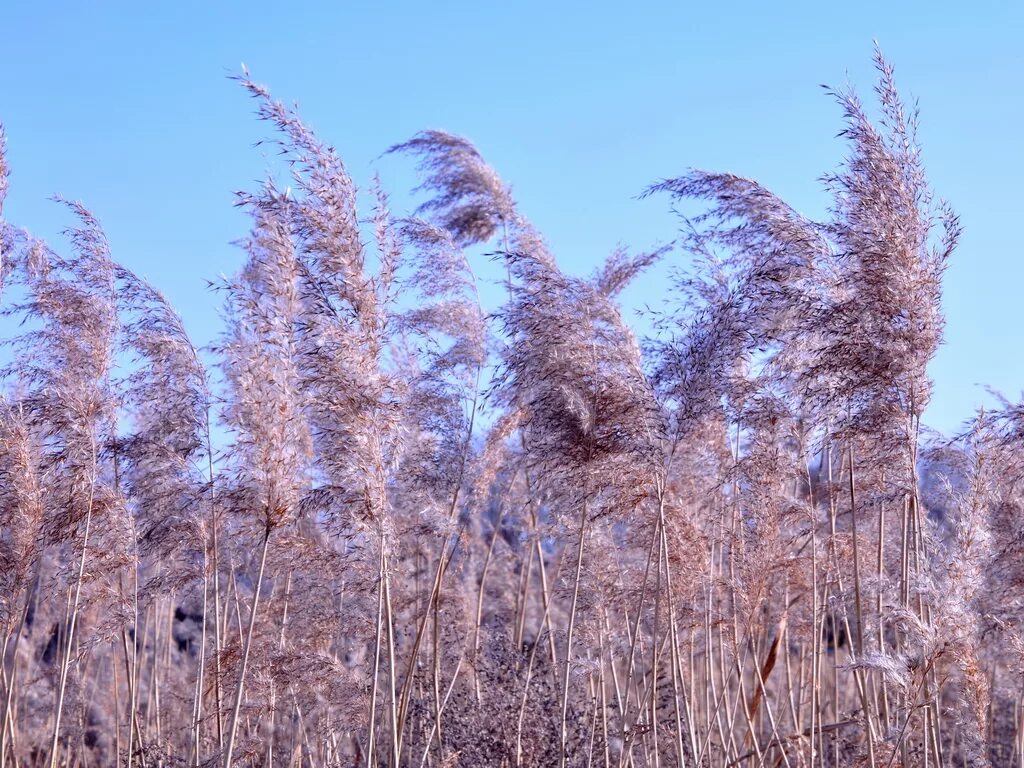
(579, 106)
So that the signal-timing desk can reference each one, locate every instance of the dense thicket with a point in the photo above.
(433, 537)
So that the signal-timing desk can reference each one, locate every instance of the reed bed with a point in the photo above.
(374, 525)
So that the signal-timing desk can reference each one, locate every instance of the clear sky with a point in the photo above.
(127, 106)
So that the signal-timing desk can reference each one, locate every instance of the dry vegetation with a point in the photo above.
(438, 538)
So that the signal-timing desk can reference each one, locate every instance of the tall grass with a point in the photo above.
(433, 537)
